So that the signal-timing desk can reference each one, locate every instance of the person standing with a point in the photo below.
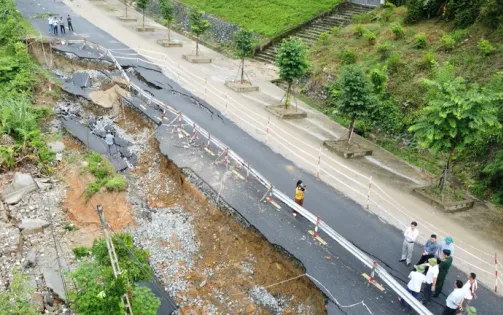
(110, 140)
(470, 288)
(55, 26)
(299, 195)
(50, 25)
(410, 234)
(69, 21)
(443, 269)
(417, 278)
(62, 25)
(430, 249)
(430, 280)
(446, 244)
(453, 301)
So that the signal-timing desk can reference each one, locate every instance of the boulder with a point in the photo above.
(38, 300)
(82, 80)
(21, 185)
(56, 146)
(50, 271)
(32, 226)
(3, 213)
(48, 299)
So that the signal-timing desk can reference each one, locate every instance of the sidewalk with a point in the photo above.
(394, 178)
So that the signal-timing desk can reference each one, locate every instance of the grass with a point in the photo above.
(265, 17)
(105, 176)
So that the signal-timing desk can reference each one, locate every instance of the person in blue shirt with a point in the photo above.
(430, 249)
(446, 244)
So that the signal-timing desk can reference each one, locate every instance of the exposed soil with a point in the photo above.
(222, 240)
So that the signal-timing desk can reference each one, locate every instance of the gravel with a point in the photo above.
(260, 296)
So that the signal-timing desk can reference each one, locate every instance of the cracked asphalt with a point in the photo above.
(341, 275)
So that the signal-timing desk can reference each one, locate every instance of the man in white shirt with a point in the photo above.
(453, 301)
(410, 234)
(470, 288)
(430, 280)
(414, 286)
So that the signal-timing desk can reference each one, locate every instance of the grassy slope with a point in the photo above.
(266, 17)
(404, 85)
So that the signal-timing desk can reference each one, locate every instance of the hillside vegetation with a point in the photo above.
(402, 48)
(266, 17)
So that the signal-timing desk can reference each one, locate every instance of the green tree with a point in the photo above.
(142, 4)
(352, 95)
(291, 60)
(144, 302)
(168, 14)
(198, 25)
(16, 299)
(456, 115)
(243, 41)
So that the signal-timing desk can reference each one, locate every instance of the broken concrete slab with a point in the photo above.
(52, 278)
(21, 185)
(10, 239)
(82, 79)
(32, 226)
(56, 146)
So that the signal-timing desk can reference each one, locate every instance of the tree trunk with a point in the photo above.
(125, 4)
(445, 174)
(169, 32)
(242, 70)
(351, 128)
(197, 45)
(288, 93)
(143, 21)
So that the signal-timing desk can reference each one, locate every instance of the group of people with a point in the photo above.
(428, 275)
(54, 23)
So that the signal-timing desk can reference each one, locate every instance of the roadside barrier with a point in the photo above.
(355, 178)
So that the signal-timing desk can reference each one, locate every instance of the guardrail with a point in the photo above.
(356, 252)
(359, 186)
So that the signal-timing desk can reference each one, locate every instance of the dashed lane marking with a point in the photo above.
(144, 108)
(318, 238)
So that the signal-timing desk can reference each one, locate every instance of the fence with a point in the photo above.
(363, 190)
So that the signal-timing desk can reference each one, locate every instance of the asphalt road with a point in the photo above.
(343, 278)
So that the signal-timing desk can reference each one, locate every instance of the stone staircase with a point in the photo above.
(310, 33)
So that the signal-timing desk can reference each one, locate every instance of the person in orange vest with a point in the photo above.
(299, 195)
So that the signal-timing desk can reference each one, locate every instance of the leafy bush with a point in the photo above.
(335, 30)
(491, 13)
(414, 11)
(463, 12)
(365, 17)
(460, 35)
(323, 39)
(144, 302)
(360, 30)
(370, 37)
(387, 117)
(395, 2)
(379, 79)
(386, 15)
(104, 174)
(492, 176)
(384, 50)
(81, 252)
(448, 42)
(116, 183)
(347, 56)
(394, 62)
(485, 47)
(420, 41)
(428, 60)
(390, 4)
(397, 29)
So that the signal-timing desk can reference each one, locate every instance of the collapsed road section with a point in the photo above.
(180, 140)
(206, 255)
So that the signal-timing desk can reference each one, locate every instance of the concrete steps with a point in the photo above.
(310, 34)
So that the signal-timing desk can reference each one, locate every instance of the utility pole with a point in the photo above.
(113, 257)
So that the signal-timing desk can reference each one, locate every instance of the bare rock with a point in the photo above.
(56, 146)
(21, 185)
(31, 259)
(3, 213)
(48, 299)
(38, 300)
(32, 226)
